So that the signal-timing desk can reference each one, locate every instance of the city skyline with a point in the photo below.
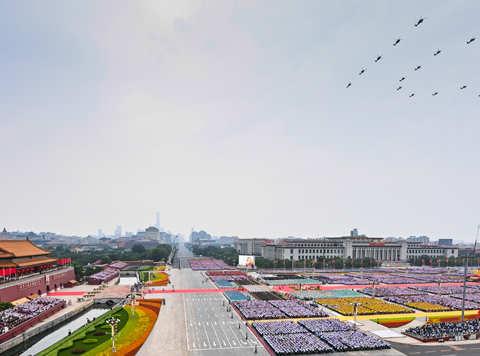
(113, 113)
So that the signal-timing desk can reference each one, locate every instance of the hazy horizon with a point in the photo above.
(233, 117)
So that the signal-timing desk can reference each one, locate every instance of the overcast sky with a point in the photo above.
(233, 117)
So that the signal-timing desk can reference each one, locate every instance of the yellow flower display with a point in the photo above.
(367, 306)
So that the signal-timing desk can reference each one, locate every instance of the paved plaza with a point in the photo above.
(198, 323)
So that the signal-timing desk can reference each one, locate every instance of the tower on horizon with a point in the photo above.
(157, 225)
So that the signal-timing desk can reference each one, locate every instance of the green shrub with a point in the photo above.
(99, 333)
(5, 305)
(78, 351)
(65, 347)
(90, 341)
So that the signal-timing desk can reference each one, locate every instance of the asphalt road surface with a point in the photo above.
(209, 327)
(197, 323)
(438, 350)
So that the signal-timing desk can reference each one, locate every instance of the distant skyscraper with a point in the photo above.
(445, 242)
(157, 225)
(100, 233)
(118, 231)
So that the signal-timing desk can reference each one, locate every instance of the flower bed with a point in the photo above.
(154, 277)
(394, 322)
(135, 324)
(98, 330)
(367, 306)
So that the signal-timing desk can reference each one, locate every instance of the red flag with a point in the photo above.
(2, 272)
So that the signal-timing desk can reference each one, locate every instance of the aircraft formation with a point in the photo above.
(417, 68)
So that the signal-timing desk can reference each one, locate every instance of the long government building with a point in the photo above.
(355, 247)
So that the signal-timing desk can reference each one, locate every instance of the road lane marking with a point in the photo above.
(185, 316)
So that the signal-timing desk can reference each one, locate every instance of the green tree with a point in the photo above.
(5, 305)
(451, 261)
(138, 248)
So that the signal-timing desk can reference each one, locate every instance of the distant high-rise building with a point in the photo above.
(118, 231)
(419, 239)
(445, 242)
(100, 233)
(157, 225)
(354, 233)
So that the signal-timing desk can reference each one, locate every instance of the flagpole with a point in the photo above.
(465, 274)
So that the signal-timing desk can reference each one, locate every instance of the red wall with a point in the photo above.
(26, 287)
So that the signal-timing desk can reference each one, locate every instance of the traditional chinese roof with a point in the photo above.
(35, 262)
(7, 264)
(20, 248)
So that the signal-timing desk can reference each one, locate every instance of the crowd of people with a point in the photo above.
(302, 343)
(446, 330)
(276, 309)
(13, 317)
(316, 336)
(353, 341)
(386, 292)
(297, 309)
(446, 289)
(278, 327)
(442, 300)
(326, 325)
(258, 309)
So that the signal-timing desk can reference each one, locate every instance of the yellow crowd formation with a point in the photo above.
(366, 306)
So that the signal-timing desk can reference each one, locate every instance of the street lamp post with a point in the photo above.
(113, 322)
(355, 313)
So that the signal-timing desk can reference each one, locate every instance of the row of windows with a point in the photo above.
(318, 251)
(437, 251)
(331, 244)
